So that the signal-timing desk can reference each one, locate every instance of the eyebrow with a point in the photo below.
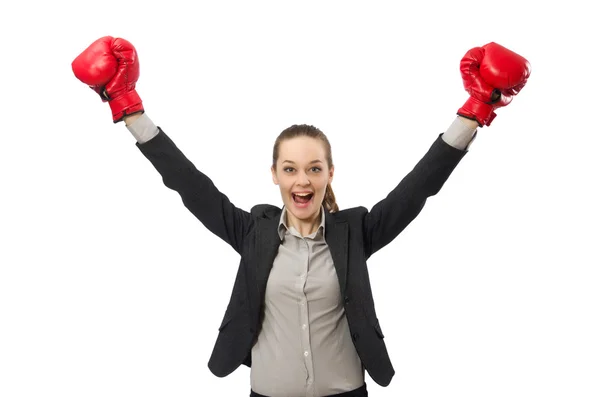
(312, 162)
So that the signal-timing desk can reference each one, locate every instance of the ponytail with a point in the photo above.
(329, 200)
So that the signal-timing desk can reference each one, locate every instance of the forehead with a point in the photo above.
(301, 149)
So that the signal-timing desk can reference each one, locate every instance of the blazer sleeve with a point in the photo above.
(197, 191)
(391, 215)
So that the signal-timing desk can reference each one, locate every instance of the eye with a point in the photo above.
(288, 169)
(315, 169)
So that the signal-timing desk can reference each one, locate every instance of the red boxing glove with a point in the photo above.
(491, 75)
(110, 67)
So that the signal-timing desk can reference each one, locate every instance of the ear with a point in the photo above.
(274, 176)
(331, 173)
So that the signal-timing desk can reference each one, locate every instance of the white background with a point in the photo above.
(110, 287)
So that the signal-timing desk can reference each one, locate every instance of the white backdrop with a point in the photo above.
(110, 287)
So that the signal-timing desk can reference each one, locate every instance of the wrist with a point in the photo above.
(141, 127)
(461, 133)
(130, 119)
(469, 123)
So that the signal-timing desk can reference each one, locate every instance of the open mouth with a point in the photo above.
(302, 198)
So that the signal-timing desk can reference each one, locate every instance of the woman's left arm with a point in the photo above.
(392, 214)
(492, 75)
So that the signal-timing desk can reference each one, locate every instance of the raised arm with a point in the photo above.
(110, 66)
(391, 215)
(492, 75)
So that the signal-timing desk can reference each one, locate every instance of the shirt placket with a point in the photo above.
(304, 318)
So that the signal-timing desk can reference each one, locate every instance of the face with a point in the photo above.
(302, 174)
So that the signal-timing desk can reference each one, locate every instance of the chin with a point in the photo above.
(303, 211)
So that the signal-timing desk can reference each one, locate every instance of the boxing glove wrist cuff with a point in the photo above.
(126, 104)
(479, 111)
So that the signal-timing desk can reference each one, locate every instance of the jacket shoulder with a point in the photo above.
(350, 214)
(265, 211)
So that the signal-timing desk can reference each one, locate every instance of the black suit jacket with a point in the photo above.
(352, 236)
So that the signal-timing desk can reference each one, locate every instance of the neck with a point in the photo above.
(305, 227)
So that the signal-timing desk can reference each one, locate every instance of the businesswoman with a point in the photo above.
(301, 312)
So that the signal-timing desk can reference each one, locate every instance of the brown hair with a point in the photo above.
(310, 131)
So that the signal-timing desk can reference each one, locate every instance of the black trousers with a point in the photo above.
(360, 392)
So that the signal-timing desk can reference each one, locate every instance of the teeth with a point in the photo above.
(302, 194)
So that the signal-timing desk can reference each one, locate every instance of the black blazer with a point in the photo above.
(352, 235)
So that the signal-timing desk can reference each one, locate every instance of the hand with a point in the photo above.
(110, 67)
(491, 75)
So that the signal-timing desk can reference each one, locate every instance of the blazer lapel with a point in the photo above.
(336, 236)
(268, 245)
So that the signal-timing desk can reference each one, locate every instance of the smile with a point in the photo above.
(302, 198)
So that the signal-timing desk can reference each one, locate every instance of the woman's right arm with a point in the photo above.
(197, 191)
(110, 66)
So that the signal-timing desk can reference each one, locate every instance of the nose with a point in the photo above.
(302, 179)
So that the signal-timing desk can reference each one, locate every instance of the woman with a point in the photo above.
(301, 313)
